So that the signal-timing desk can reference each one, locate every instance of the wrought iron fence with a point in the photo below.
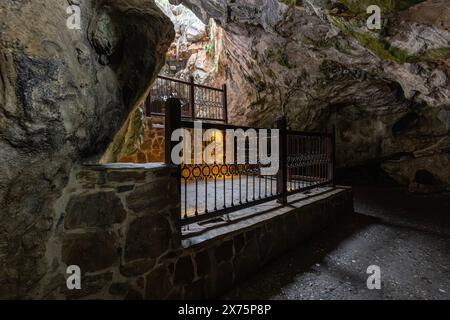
(309, 160)
(165, 88)
(227, 183)
(223, 184)
(198, 102)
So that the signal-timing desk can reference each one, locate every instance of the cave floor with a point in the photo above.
(407, 236)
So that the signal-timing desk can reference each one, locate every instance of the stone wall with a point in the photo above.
(116, 222)
(152, 147)
(121, 225)
(213, 263)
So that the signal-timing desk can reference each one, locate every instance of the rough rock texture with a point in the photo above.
(129, 138)
(197, 47)
(195, 51)
(387, 91)
(63, 95)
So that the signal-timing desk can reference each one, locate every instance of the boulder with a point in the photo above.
(64, 93)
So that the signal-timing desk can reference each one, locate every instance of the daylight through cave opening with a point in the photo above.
(193, 57)
(301, 61)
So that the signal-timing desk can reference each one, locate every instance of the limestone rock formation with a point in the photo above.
(386, 91)
(64, 93)
(197, 47)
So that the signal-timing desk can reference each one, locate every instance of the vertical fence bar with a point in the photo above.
(225, 103)
(283, 169)
(192, 97)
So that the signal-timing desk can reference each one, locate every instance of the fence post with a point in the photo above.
(192, 96)
(173, 122)
(225, 103)
(283, 169)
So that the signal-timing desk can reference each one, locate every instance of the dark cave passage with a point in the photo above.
(378, 195)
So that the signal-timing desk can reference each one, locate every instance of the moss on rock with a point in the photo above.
(359, 7)
(433, 55)
(275, 53)
(128, 140)
(377, 45)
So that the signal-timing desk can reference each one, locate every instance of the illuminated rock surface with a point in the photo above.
(63, 95)
(387, 92)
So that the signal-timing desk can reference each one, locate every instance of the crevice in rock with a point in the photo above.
(406, 124)
(425, 177)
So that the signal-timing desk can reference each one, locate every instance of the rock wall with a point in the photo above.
(387, 91)
(197, 47)
(121, 225)
(63, 95)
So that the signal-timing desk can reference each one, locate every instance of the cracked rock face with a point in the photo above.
(197, 46)
(63, 95)
(387, 92)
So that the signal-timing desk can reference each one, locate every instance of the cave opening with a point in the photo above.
(194, 58)
(425, 177)
(201, 50)
(407, 123)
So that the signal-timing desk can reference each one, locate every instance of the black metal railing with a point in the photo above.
(225, 183)
(309, 160)
(234, 179)
(198, 102)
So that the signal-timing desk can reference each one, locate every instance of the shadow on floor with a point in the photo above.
(406, 235)
(312, 254)
(333, 265)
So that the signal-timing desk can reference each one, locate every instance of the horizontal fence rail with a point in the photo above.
(231, 180)
(198, 102)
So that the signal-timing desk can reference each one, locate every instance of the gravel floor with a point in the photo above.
(413, 254)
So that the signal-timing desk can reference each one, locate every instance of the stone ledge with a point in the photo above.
(250, 217)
